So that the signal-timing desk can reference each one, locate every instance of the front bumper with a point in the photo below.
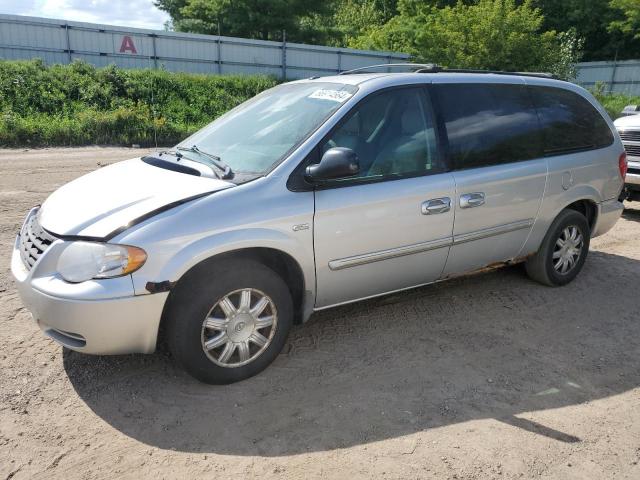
(632, 180)
(99, 317)
(608, 214)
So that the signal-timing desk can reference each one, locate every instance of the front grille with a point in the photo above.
(630, 135)
(632, 150)
(34, 240)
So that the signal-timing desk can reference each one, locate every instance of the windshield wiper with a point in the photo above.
(215, 160)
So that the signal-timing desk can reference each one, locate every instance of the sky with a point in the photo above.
(129, 13)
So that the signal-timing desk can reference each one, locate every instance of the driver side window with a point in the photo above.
(392, 133)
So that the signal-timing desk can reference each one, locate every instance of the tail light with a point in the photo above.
(622, 165)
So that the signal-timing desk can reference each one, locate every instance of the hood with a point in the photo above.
(101, 202)
(631, 121)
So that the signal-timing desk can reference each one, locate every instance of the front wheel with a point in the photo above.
(228, 321)
(563, 251)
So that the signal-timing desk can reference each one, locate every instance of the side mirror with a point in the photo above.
(337, 162)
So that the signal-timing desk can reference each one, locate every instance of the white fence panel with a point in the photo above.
(59, 41)
(621, 76)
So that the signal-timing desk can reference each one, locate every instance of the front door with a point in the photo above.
(390, 227)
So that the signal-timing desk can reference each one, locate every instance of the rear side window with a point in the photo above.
(569, 122)
(489, 124)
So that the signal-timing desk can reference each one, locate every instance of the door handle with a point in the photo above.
(436, 205)
(470, 200)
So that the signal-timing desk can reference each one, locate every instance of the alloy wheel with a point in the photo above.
(239, 327)
(567, 249)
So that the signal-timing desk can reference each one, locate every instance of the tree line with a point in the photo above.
(549, 35)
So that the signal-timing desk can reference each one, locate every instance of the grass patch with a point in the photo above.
(614, 102)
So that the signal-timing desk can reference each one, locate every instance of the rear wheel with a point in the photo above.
(563, 250)
(228, 321)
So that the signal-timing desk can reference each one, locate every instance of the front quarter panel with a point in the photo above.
(262, 213)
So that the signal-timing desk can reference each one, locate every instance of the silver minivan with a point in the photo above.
(314, 194)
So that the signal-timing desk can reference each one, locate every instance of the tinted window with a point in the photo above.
(489, 124)
(393, 134)
(569, 122)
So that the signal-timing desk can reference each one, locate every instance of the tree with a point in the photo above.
(487, 34)
(630, 24)
(259, 19)
(354, 18)
(503, 33)
(595, 21)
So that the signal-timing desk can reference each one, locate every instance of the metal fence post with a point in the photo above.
(339, 54)
(219, 53)
(284, 55)
(613, 71)
(66, 30)
(155, 54)
(613, 76)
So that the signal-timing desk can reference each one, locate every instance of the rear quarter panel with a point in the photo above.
(590, 175)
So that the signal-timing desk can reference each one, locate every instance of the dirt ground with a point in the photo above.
(489, 376)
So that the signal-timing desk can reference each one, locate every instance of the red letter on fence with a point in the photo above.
(127, 45)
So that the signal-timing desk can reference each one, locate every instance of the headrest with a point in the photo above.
(412, 121)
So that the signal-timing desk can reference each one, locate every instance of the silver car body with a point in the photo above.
(348, 243)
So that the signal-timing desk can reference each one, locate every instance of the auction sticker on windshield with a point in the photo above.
(334, 95)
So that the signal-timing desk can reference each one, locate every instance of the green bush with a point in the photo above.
(79, 104)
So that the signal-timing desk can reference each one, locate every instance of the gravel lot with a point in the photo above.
(489, 376)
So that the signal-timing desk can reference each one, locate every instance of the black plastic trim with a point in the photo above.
(159, 287)
(172, 166)
(72, 238)
(153, 213)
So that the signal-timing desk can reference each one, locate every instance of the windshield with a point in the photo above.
(257, 134)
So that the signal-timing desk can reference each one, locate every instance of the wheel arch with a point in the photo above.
(277, 260)
(281, 262)
(587, 207)
(584, 201)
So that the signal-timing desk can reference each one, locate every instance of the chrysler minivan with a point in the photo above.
(313, 194)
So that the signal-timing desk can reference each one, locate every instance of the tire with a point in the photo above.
(540, 267)
(204, 294)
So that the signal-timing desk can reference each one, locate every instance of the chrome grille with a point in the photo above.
(34, 240)
(630, 135)
(632, 150)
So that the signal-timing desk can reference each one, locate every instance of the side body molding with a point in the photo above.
(366, 258)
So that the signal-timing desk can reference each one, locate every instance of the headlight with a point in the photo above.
(82, 261)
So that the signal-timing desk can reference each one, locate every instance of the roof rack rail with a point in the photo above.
(415, 66)
(434, 68)
(495, 72)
